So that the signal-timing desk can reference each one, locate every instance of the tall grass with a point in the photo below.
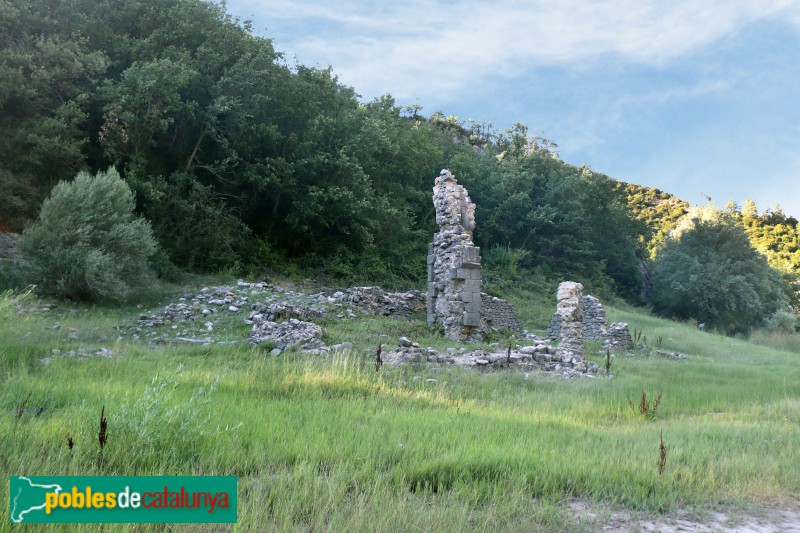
(327, 443)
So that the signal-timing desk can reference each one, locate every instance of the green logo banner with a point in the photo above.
(122, 499)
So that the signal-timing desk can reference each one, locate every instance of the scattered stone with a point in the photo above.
(670, 355)
(404, 342)
(207, 340)
(485, 360)
(78, 353)
(342, 346)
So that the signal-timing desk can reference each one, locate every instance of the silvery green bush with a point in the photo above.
(87, 244)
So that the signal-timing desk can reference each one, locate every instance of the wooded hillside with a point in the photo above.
(242, 160)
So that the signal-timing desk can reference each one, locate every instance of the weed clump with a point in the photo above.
(645, 408)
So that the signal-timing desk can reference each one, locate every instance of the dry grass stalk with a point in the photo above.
(102, 436)
(508, 357)
(21, 411)
(649, 411)
(70, 442)
(378, 360)
(663, 459)
(608, 361)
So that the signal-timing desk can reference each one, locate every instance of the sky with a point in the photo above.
(697, 98)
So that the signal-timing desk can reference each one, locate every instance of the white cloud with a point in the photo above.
(419, 48)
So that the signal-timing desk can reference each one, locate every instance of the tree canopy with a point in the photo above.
(707, 270)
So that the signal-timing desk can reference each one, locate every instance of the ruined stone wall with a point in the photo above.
(594, 319)
(554, 329)
(499, 313)
(618, 338)
(454, 263)
(570, 309)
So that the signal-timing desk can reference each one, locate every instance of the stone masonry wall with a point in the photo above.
(454, 263)
(619, 337)
(499, 313)
(594, 319)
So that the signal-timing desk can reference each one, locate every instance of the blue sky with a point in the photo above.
(698, 98)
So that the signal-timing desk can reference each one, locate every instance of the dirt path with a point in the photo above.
(767, 520)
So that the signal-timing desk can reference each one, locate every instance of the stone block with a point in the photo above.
(471, 319)
(473, 307)
(468, 296)
(472, 285)
(431, 259)
(471, 254)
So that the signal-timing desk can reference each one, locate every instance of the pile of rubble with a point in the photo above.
(376, 301)
(282, 335)
(282, 311)
(193, 317)
(537, 357)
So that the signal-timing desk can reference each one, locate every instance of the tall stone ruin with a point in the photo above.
(454, 263)
(570, 311)
(595, 327)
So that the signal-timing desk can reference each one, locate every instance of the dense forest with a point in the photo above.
(240, 160)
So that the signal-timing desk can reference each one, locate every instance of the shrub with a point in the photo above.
(87, 243)
(781, 321)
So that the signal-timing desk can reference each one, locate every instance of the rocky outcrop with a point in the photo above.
(454, 263)
(618, 338)
(570, 310)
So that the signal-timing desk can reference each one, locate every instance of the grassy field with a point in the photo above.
(326, 443)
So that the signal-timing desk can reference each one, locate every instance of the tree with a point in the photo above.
(86, 243)
(708, 270)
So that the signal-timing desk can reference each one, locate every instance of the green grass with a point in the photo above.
(324, 443)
